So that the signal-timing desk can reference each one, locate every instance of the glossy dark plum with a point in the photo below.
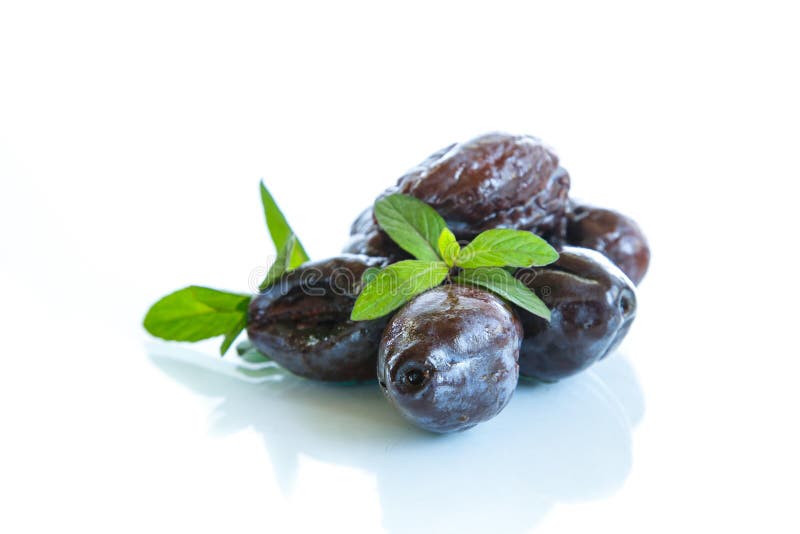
(593, 305)
(496, 180)
(448, 358)
(303, 321)
(613, 234)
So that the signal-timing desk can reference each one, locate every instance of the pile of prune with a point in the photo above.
(543, 287)
(451, 357)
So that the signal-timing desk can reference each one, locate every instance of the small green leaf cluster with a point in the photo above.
(423, 233)
(195, 313)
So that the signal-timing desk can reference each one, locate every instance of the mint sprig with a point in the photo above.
(281, 264)
(422, 232)
(195, 313)
(279, 229)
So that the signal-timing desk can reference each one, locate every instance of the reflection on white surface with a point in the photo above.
(569, 441)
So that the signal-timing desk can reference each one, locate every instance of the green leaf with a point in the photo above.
(281, 263)
(369, 274)
(279, 229)
(395, 285)
(232, 334)
(194, 313)
(412, 224)
(249, 353)
(449, 248)
(503, 283)
(502, 247)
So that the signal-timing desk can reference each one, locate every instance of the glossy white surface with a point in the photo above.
(131, 144)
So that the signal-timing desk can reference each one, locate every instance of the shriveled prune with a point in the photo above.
(493, 181)
(303, 321)
(592, 304)
(613, 234)
(448, 358)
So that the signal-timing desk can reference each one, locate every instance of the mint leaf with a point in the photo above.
(412, 224)
(232, 334)
(279, 229)
(502, 247)
(369, 274)
(449, 248)
(503, 283)
(194, 313)
(281, 263)
(395, 285)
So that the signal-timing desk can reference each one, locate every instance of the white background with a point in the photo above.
(132, 139)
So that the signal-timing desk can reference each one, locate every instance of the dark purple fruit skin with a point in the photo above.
(613, 234)
(448, 358)
(496, 180)
(592, 304)
(492, 181)
(303, 321)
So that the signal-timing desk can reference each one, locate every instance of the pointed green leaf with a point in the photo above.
(503, 283)
(279, 229)
(395, 285)
(369, 274)
(502, 247)
(412, 224)
(194, 313)
(281, 263)
(232, 334)
(449, 248)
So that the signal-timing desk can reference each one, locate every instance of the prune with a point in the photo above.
(613, 234)
(592, 304)
(303, 321)
(448, 358)
(493, 181)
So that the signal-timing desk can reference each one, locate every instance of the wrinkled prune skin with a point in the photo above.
(303, 321)
(613, 234)
(496, 180)
(448, 358)
(592, 304)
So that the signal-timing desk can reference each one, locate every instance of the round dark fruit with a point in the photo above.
(492, 181)
(496, 180)
(613, 234)
(303, 321)
(592, 304)
(448, 358)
